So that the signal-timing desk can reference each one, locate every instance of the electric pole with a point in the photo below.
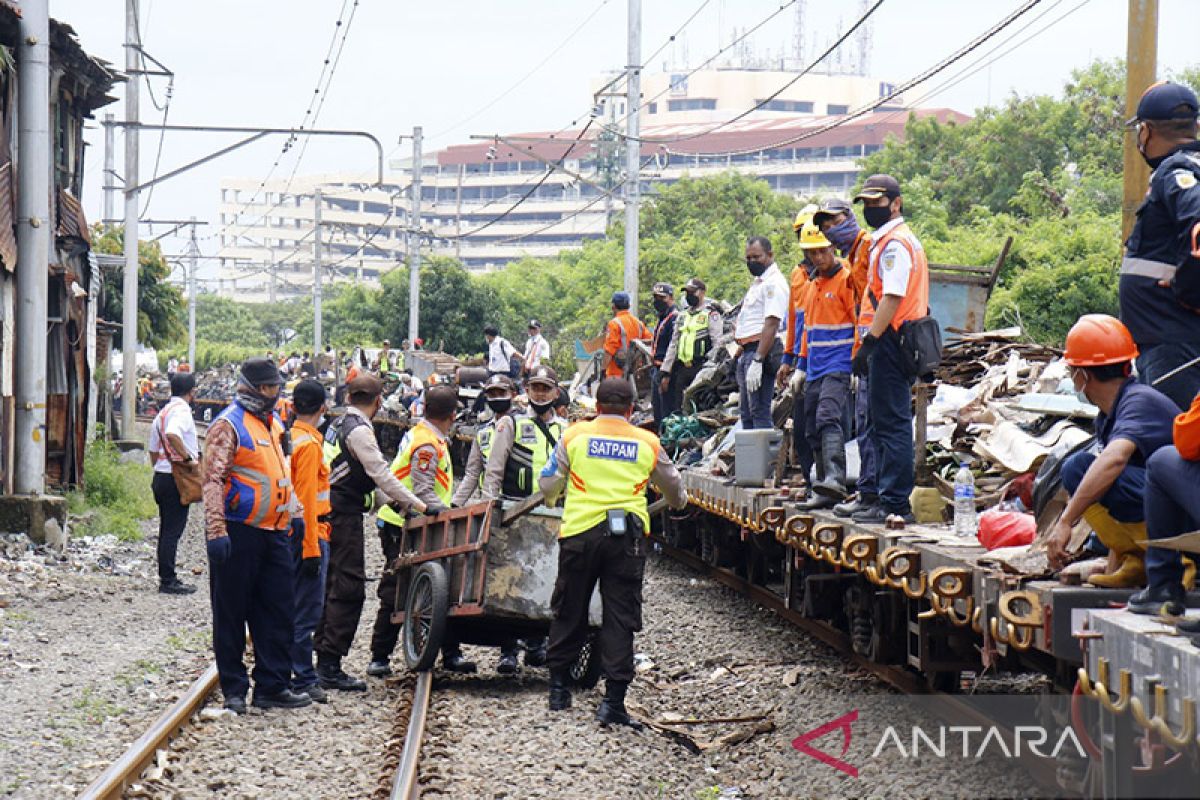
(33, 245)
(193, 254)
(129, 316)
(1141, 59)
(414, 242)
(633, 150)
(317, 271)
(110, 183)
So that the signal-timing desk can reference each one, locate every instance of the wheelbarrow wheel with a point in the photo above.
(585, 672)
(425, 616)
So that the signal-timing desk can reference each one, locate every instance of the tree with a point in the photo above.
(454, 307)
(160, 305)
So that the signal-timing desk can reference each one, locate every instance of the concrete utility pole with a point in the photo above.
(129, 317)
(193, 253)
(110, 182)
(33, 245)
(633, 149)
(1141, 59)
(317, 202)
(414, 242)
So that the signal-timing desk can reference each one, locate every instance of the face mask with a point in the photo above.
(843, 234)
(1153, 162)
(254, 402)
(693, 301)
(661, 306)
(877, 216)
(541, 408)
(500, 405)
(755, 267)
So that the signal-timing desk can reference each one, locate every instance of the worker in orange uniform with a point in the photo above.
(619, 335)
(310, 477)
(897, 292)
(826, 348)
(799, 284)
(836, 220)
(248, 505)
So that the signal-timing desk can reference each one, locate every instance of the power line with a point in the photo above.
(866, 109)
(341, 27)
(761, 103)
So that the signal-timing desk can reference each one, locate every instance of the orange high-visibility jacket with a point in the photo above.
(311, 478)
(258, 491)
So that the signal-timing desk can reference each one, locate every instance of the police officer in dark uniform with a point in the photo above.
(1160, 273)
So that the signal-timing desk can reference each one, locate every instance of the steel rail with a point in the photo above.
(128, 768)
(404, 785)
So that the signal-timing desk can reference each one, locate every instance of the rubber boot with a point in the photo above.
(1126, 541)
(560, 691)
(833, 456)
(612, 707)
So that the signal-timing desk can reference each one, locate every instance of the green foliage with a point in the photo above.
(162, 316)
(115, 496)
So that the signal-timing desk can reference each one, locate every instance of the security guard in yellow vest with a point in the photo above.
(697, 330)
(498, 392)
(423, 466)
(604, 466)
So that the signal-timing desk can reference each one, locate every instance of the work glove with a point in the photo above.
(298, 528)
(797, 382)
(310, 567)
(754, 376)
(863, 357)
(219, 550)
(433, 509)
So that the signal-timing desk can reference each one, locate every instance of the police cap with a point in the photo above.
(543, 375)
(366, 384)
(614, 393)
(499, 381)
(664, 289)
(878, 186)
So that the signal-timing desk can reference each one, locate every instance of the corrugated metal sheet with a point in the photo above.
(8, 228)
(71, 221)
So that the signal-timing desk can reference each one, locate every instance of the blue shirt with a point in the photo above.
(1142, 415)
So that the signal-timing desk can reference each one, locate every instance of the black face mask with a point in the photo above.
(756, 268)
(500, 405)
(693, 301)
(877, 216)
(661, 306)
(541, 408)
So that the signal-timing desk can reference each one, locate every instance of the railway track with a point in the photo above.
(402, 757)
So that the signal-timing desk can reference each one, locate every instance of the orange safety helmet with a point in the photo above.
(1098, 339)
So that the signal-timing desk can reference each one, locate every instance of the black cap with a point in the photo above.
(695, 285)
(261, 372)
(878, 186)
(1163, 101)
(663, 289)
(615, 392)
(308, 396)
(832, 206)
(533, 323)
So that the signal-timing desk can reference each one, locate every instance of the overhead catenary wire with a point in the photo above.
(761, 103)
(869, 107)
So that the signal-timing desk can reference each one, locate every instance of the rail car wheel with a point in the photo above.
(425, 616)
(585, 672)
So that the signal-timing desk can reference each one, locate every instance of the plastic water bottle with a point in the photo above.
(965, 521)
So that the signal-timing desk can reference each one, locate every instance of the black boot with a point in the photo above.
(535, 652)
(833, 456)
(816, 502)
(331, 676)
(560, 691)
(612, 707)
(508, 661)
(861, 502)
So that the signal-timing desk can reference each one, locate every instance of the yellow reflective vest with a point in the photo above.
(693, 335)
(610, 465)
(402, 467)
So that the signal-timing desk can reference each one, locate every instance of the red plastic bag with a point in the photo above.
(1006, 529)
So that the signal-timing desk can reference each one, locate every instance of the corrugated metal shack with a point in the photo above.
(79, 84)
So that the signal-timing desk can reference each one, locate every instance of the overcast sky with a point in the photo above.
(444, 64)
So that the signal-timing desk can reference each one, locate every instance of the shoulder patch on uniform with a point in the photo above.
(889, 260)
(770, 290)
(424, 460)
(1184, 179)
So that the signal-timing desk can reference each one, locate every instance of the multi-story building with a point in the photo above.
(494, 201)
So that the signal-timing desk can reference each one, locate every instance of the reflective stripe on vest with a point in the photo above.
(300, 440)
(693, 334)
(916, 294)
(610, 465)
(530, 453)
(443, 486)
(1146, 268)
(258, 491)
(485, 436)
